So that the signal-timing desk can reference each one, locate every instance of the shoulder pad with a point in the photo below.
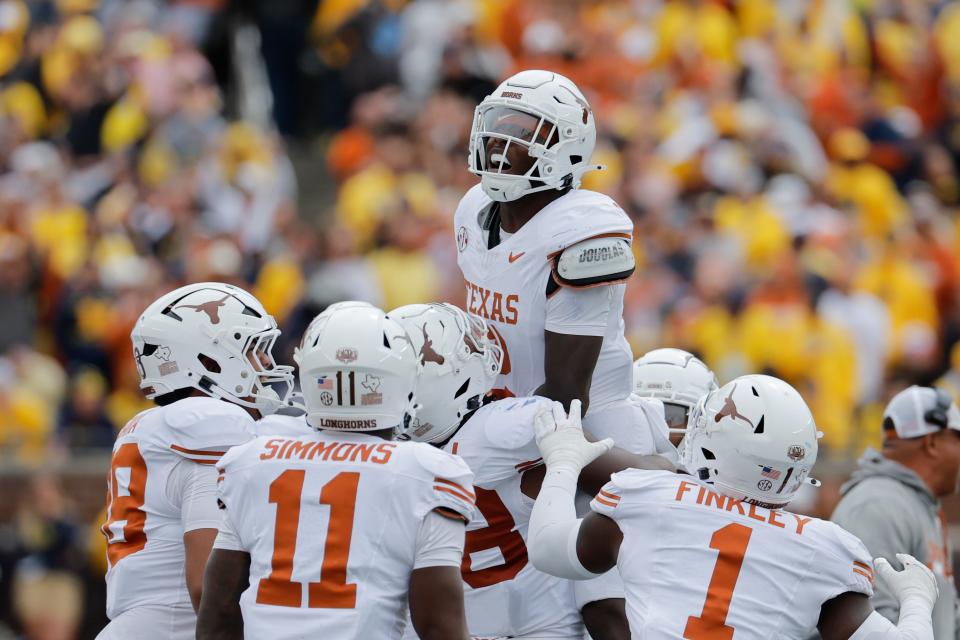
(450, 482)
(848, 560)
(203, 429)
(440, 463)
(282, 425)
(233, 456)
(638, 478)
(509, 423)
(595, 261)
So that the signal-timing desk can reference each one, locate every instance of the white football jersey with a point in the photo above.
(697, 564)
(144, 527)
(283, 425)
(504, 594)
(507, 285)
(330, 521)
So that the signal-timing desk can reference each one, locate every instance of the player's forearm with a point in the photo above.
(554, 527)
(606, 619)
(566, 391)
(221, 621)
(915, 624)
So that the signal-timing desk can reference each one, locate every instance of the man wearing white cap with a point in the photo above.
(892, 502)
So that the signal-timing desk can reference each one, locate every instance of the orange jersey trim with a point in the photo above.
(864, 574)
(454, 485)
(195, 452)
(863, 565)
(529, 464)
(450, 513)
(604, 501)
(455, 493)
(612, 496)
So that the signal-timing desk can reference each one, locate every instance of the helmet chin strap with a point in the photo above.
(505, 189)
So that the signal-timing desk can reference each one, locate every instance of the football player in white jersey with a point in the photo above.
(505, 595)
(545, 262)
(713, 554)
(332, 534)
(204, 357)
(678, 379)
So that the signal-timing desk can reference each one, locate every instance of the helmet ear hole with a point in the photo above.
(209, 363)
(708, 454)
(463, 388)
(386, 342)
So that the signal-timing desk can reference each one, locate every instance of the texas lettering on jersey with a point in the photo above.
(492, 305)
(507, 286)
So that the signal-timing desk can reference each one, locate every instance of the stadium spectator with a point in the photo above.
(893, 501)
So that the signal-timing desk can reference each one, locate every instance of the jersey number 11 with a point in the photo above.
(332, 592)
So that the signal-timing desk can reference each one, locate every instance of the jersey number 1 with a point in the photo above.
(332, 592)
(731, 542)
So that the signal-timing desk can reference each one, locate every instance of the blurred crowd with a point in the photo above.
(790, 166)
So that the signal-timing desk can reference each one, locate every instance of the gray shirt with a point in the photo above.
(892, 511)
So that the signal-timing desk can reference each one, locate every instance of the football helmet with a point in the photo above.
(676, 377)
(214, 337)
(546, 114)
(459, 361)
(358, 371)
(754, 439)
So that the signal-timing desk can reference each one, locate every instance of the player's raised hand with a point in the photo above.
(915, 581)
(561, 441)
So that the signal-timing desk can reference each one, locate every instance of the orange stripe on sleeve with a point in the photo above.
(529, 464)
(864, 574)
(455, 493)
(453, 484)
(196, 452)
(864, 566)
(450, 513)
(611, 496)
(604, 501)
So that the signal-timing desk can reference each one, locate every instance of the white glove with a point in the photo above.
(915, 581)
(561, 441)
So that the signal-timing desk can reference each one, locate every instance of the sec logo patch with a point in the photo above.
(461, 239)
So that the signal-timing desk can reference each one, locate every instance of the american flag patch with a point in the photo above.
(769, 472)
(323, 382)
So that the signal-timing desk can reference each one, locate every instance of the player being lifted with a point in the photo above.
(204, 357)
(505, 595)
(545, 262)
(331, 534)
(713, 554)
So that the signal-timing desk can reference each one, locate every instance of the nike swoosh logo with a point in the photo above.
(514, 257)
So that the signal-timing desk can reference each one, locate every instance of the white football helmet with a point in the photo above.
(545, 113)
(676, 377)
(459, 363)
(358, 370)
(214, 337)
(754, 439)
